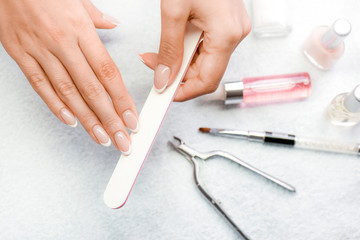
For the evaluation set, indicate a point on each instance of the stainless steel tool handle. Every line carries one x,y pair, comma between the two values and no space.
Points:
255,170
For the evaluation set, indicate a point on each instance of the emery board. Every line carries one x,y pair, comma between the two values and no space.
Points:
150,119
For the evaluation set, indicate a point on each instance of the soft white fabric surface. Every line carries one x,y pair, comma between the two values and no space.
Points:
52,177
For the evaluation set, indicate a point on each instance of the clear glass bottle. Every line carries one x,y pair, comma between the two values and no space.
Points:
344,109
271,18
325,45
253,91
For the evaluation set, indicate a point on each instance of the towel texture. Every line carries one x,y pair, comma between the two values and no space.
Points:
52,177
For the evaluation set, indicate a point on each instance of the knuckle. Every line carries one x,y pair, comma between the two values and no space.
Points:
211,87
53,106
169,51
108,71
11,48
87,120
37,80
232,32
112,123
78,21
93,90
66,89
247,28
123,101
231,36
235,35
168,11
57,34
173,14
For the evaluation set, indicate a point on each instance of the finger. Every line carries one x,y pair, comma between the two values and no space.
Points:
109,76
193,85
204,75
100,20
95,96
214,54
42,86
173,24
67,91
149,59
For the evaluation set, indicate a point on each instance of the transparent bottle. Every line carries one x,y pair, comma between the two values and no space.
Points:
344,109
325,45
271,18
253,91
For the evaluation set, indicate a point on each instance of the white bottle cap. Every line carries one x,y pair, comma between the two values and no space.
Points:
336,33
352,100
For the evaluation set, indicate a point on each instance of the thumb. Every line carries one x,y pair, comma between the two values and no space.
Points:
171,49
100,20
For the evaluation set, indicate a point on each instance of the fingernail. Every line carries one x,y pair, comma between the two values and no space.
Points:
131,121
110,19
68,117
141,58
162,75
102,136
123,143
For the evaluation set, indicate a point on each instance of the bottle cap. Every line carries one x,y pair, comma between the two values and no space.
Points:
234,92
336,33
352,100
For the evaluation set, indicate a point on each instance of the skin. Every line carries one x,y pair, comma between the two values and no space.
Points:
225,24
64,60
56,46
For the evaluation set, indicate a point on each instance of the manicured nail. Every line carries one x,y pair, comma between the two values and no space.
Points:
110,19
131,121
102,136
141,58
68,117
162,75
123,143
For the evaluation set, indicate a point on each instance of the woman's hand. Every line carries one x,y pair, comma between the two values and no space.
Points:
225,24
56,46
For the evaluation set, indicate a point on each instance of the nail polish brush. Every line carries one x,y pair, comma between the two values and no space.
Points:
287,140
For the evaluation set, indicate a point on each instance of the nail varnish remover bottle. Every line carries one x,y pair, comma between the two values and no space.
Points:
271,18
345,108
325,45
254,91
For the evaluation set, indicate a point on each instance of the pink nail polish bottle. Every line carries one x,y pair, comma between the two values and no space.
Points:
325,45
255,91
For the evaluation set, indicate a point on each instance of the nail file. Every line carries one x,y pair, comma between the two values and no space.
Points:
150,119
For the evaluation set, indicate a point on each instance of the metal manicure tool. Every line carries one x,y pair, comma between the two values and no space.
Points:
192,155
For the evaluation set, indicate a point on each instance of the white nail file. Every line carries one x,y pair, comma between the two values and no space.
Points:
151,117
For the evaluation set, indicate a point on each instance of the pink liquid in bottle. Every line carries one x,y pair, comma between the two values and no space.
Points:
269,89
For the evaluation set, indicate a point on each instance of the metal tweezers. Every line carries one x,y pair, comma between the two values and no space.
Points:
191,154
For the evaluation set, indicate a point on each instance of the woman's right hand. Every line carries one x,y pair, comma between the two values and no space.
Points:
56,46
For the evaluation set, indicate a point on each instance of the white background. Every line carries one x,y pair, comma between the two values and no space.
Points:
52,177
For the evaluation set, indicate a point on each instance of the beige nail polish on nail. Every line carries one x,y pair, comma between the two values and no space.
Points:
102,136
131,121
68,117
161,77
111,19
123,143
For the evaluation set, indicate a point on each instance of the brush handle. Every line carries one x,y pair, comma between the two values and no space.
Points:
329,146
